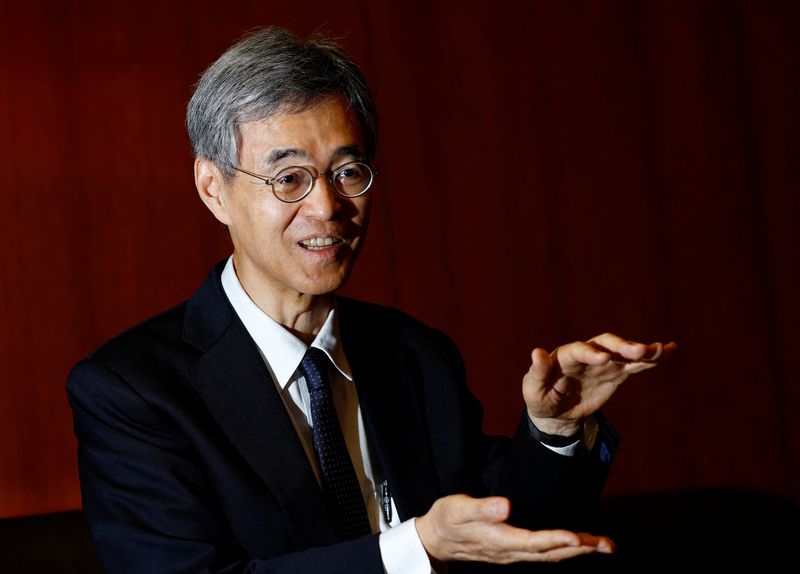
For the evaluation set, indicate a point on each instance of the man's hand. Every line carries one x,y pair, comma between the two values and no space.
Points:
459,527
575,380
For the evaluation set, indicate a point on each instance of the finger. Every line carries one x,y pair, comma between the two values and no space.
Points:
633,367
467,509
556,545
602,543
616,345
502,539
493,509
546,540
508,544
653,353
668,350
559,554
658,352
541,366
576,355
640,352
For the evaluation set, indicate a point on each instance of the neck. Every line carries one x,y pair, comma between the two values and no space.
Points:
300,313
305,318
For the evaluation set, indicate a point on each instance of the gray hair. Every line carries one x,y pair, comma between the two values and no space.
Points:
267,71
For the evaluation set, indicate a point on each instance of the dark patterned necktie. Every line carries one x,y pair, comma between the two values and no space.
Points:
339,483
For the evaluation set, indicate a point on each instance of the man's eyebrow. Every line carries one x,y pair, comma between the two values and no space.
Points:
351,150
280,153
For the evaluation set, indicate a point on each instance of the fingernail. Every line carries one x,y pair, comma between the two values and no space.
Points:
605,547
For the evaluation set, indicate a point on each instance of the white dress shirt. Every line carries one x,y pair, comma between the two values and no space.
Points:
401,549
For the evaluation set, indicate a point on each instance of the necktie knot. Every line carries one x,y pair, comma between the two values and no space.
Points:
314,367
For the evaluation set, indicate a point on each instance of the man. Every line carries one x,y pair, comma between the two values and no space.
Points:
267,425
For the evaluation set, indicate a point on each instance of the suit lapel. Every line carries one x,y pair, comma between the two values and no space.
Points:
388,380
237,389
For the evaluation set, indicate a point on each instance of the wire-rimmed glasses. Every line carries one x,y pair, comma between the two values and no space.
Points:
291,184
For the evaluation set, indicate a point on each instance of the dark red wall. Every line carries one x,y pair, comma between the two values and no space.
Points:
550,170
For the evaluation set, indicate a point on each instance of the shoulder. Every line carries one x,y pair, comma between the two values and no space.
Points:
368,321
169,340
149,340
384,319
150,354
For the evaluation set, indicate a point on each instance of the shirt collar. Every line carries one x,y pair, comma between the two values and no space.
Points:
281,350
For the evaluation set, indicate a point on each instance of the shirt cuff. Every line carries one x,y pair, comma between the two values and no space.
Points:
402,551
584,442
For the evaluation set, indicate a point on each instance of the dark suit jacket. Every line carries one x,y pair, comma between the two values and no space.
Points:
189,462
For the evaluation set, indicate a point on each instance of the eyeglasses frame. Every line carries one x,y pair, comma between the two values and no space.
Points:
330,174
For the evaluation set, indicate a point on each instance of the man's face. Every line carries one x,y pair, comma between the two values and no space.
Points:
284,251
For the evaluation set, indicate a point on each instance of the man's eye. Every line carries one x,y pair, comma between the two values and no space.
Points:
290,178
351,173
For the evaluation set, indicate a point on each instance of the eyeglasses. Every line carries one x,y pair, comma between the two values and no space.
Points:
291,184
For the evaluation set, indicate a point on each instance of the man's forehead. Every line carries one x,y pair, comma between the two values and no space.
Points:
329,110
327,129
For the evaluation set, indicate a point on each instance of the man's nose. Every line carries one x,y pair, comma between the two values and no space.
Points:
323,202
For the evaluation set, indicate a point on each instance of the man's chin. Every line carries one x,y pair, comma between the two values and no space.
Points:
327,285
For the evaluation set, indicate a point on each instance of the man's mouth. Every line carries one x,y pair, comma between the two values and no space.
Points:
318,243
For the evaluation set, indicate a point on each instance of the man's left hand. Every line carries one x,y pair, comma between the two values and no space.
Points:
562,388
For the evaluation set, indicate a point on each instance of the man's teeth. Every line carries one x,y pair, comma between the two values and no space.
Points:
319,242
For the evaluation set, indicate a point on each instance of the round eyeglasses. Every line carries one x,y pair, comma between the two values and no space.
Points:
291,184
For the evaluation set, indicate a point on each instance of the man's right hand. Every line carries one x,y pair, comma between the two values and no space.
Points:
459,527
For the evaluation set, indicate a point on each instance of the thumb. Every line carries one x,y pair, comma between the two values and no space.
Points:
541,366
492,509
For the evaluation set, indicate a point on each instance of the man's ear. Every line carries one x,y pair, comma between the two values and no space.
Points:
212,188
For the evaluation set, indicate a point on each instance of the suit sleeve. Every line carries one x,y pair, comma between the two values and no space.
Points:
148,503
547,490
